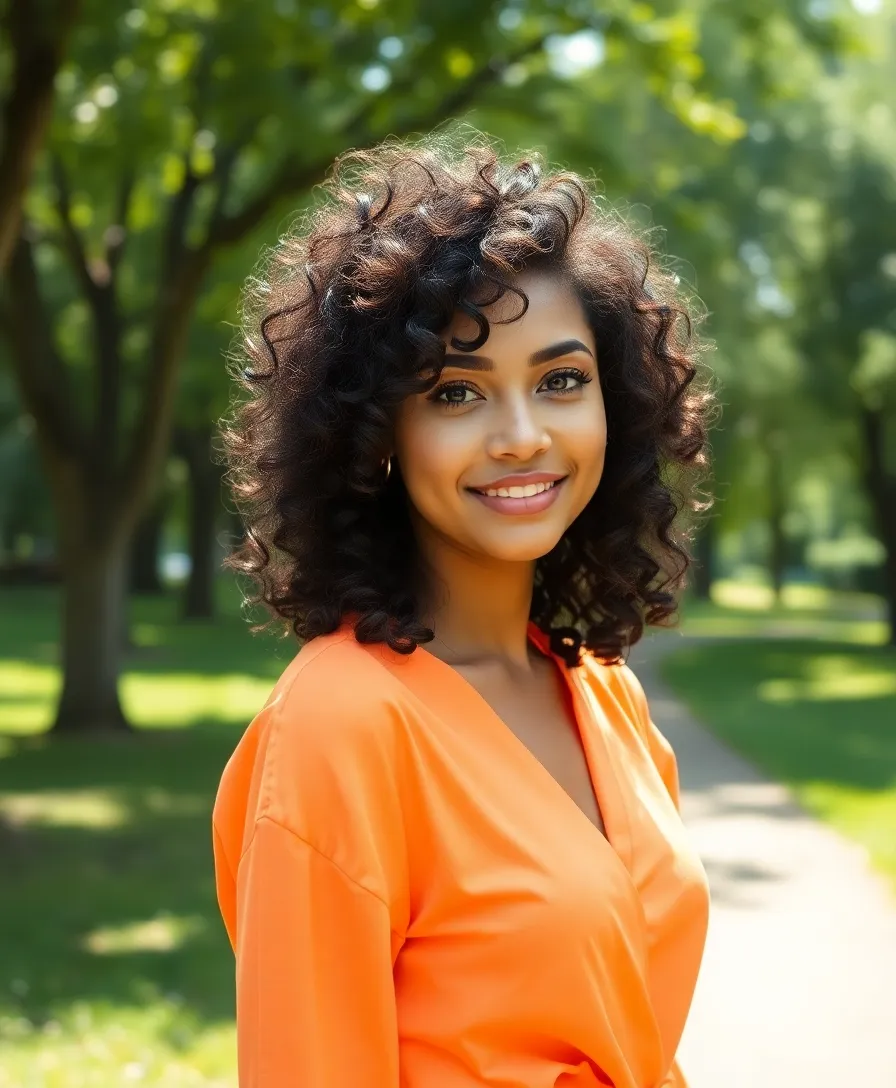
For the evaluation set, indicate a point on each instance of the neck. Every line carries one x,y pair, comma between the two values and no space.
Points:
478,607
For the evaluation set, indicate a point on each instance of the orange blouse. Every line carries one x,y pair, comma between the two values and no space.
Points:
415,902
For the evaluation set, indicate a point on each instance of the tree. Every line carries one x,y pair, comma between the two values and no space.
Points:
33,39
854,329
834,249
179,130
783,230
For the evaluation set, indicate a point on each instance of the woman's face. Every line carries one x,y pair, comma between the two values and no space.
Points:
527,404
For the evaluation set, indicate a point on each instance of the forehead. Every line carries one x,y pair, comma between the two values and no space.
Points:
554,308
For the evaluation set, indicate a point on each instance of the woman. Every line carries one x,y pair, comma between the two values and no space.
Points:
448,850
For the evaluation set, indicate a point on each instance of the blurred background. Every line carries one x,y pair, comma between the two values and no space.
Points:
148,151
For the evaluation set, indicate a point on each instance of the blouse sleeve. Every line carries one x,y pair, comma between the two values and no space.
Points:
311,867
314,985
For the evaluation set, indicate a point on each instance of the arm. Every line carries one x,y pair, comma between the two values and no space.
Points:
314,953
311,872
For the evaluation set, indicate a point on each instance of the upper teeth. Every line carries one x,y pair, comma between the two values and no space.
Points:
519,492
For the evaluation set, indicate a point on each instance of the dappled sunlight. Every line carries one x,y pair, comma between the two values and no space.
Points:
66,808
161,802
155,1040
829,679
747,610
21,680
26,717
163,933
759,597
817,716
28,695
98,808
171,700
710,621
742,595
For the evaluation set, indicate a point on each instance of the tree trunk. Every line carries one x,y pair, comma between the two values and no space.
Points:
204,481
93,616
888,516
704,558
38,36
777,555
881,488
144,558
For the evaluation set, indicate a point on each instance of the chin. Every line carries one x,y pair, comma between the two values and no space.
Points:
522,546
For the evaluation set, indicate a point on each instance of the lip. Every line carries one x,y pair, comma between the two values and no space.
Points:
534,504
520,479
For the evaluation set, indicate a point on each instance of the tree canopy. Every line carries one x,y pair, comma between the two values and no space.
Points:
185,131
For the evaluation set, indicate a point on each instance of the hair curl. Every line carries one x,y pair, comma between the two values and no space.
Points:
344,323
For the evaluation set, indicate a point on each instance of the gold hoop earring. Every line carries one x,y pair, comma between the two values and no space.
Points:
388,463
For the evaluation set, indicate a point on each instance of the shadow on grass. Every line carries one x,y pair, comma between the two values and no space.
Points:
105,844
108,874
161,641
812,711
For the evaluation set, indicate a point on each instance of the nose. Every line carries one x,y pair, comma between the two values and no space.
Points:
518,433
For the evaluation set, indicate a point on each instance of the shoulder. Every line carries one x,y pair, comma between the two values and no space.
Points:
334,685
621,682
322,760
336,703
327,743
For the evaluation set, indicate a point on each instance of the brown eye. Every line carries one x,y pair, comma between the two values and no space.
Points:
453,395
571,374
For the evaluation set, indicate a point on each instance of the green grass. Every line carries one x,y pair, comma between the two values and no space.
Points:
747,610
816,713
114,965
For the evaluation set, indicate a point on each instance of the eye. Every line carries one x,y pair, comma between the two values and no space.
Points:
576,377
453,395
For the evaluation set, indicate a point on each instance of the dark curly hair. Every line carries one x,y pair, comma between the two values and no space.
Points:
344,323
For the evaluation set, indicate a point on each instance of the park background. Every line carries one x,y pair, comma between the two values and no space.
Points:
148,152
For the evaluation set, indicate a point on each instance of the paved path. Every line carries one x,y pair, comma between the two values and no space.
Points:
798,985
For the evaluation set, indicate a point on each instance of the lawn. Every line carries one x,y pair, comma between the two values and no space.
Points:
114,966
818,713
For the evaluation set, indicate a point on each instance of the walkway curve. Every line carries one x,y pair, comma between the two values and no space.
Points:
798,984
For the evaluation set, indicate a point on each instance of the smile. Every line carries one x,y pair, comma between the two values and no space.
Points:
530,499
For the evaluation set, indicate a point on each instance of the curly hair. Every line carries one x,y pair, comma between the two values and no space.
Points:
344,322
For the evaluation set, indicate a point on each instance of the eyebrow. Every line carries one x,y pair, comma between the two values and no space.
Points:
468,361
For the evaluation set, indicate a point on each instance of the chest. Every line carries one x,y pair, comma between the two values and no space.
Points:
541,716
565,934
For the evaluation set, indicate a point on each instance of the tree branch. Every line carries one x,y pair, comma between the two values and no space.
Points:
38,41
171,326
455,100
293,176
116,234
881,485
184,268
98,287
223,174
39,370
72,242
174,242
181,273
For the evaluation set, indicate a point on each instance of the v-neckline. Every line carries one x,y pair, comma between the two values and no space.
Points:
604,784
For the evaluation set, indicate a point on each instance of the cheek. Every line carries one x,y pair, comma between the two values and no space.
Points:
435,453
584,435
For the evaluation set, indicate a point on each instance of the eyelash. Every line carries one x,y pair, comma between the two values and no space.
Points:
566,372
